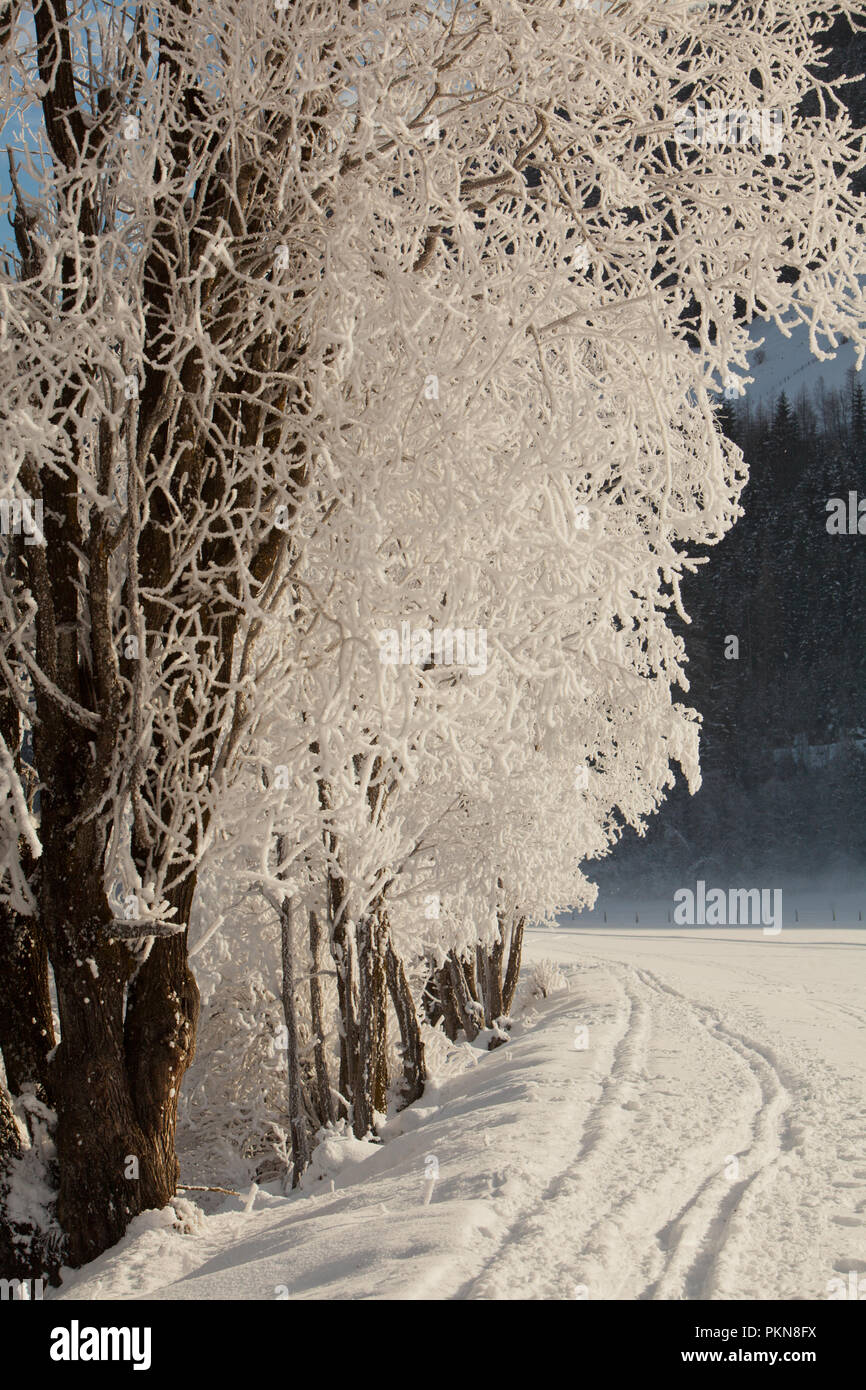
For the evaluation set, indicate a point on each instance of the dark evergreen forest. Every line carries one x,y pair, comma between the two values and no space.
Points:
784,703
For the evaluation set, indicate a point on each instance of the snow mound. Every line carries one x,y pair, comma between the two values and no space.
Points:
336,1150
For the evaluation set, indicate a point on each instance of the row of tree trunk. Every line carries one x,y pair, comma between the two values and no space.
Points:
467,994
369,974
128,1020
470,993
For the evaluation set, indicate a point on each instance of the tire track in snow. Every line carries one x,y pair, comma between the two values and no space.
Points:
835,1007
527,1245
615,1213
700,1242
791,1237
597,1222
647,1226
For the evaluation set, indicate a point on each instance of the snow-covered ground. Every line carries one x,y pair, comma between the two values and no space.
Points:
685,1120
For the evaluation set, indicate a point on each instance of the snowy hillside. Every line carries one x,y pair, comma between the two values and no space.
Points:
788,364
681,1119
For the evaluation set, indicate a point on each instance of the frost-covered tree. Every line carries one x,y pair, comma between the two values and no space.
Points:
322,319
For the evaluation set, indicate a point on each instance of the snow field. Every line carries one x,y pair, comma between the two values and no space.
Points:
684,1121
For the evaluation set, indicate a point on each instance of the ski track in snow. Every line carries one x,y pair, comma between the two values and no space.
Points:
708,1143
729,1232
600,1200
755,1174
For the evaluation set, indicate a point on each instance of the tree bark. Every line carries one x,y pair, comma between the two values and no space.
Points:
466,1012
512,972
26,1024
444,1002
160,1032
11,1264
323,1080
414,1065
468,968
345,958
342,945
125,1041
297,1114
381,1080
369,1092
495,1003
110,1167
482,965
10,1139
432,1006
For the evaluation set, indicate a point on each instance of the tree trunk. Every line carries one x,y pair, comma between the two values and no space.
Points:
341,940
297,1115
10,1139
414,1065
125,1042
26,1025
432,1006
369,1094
468,968
160,1032
513,971
445,1003
381,1079
110,1167
482,983
495,1003
11,1264
323,1080
467,1013
345,958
